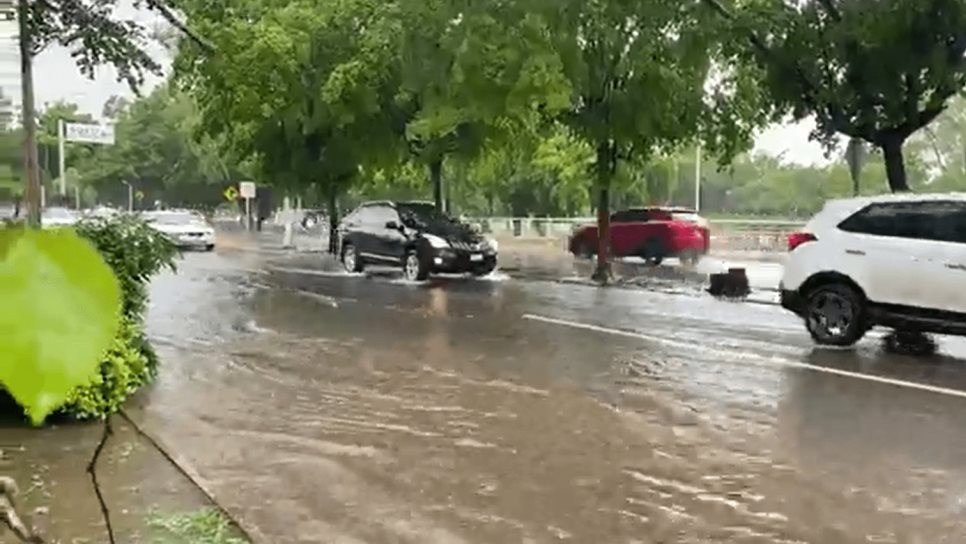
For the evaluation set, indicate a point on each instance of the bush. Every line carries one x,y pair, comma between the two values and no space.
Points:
123,371
135,252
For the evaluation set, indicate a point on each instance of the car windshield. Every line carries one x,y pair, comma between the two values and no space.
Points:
173,218
686,216
420,213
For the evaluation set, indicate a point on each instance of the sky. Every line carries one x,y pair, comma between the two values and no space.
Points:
57,79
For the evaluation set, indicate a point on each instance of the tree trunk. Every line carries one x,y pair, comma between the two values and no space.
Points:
32,192
603,272
333,205
436,180
895,165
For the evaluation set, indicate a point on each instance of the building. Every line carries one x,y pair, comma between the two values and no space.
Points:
10,92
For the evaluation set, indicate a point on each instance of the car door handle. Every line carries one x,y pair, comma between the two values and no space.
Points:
855,252
955,266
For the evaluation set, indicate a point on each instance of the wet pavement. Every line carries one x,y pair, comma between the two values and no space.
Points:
49,466
321,407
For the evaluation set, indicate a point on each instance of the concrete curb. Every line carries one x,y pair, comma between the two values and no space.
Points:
249,531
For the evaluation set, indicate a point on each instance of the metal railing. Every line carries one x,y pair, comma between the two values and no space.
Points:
764,235
726,234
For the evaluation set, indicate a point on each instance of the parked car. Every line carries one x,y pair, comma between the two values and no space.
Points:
653,234
186,229
416,237
897,261
58,217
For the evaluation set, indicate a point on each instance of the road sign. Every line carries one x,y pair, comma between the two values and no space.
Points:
139,196
231,194
88,133
247,189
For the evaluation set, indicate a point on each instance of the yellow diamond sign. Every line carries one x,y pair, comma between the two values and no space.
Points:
231,194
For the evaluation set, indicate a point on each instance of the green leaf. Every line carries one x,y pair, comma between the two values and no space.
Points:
61,307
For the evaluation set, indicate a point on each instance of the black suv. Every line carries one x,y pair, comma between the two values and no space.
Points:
416,237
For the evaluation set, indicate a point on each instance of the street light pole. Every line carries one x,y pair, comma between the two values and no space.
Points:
130,196
60,157
697,179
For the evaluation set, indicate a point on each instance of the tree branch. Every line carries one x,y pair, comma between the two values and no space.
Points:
169,16
92,470
9,515
832,10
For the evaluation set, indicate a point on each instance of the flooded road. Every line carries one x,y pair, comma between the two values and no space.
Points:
327,408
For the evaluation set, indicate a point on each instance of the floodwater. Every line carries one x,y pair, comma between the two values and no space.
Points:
321,407
327,408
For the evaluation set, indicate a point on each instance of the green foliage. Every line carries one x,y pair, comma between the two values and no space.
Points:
827,59
125,367
95,36
134,251
60,310
202,527
160,153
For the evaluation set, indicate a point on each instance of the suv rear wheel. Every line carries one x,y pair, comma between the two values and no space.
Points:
835,315
351,260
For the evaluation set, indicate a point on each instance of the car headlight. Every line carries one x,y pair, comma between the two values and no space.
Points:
435,241
493,244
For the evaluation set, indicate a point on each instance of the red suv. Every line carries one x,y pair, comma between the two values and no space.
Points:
650,233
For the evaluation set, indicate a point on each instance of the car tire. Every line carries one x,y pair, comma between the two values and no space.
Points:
210,247
414,268
653,252
835,315
351,259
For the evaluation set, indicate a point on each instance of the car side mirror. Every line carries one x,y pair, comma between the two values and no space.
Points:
392,225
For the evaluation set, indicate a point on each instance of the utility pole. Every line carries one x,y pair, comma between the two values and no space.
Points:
32,191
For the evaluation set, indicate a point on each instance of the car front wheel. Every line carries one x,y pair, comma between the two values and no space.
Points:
350,259
414,268
835,315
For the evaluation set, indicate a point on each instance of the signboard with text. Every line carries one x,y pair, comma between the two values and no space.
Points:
89,133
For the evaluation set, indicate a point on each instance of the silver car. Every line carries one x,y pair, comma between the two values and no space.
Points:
188,230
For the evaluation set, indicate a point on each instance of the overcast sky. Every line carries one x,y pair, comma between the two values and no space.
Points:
57,78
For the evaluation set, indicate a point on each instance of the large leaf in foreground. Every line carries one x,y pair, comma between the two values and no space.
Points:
59,309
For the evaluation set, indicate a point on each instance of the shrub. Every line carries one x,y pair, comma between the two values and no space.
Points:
123,371
135,252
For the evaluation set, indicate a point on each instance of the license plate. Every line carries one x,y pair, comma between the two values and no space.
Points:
476,257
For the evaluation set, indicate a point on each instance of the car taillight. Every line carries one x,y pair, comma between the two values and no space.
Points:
798,238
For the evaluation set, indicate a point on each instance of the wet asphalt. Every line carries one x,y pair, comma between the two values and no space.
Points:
321,407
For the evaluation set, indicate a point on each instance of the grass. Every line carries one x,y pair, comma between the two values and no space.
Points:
199,527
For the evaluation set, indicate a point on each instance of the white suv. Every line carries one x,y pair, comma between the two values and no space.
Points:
897,261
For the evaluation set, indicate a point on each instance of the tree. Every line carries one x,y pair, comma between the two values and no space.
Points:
876,71
471,73
308,88
636,87
159,153
94,37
